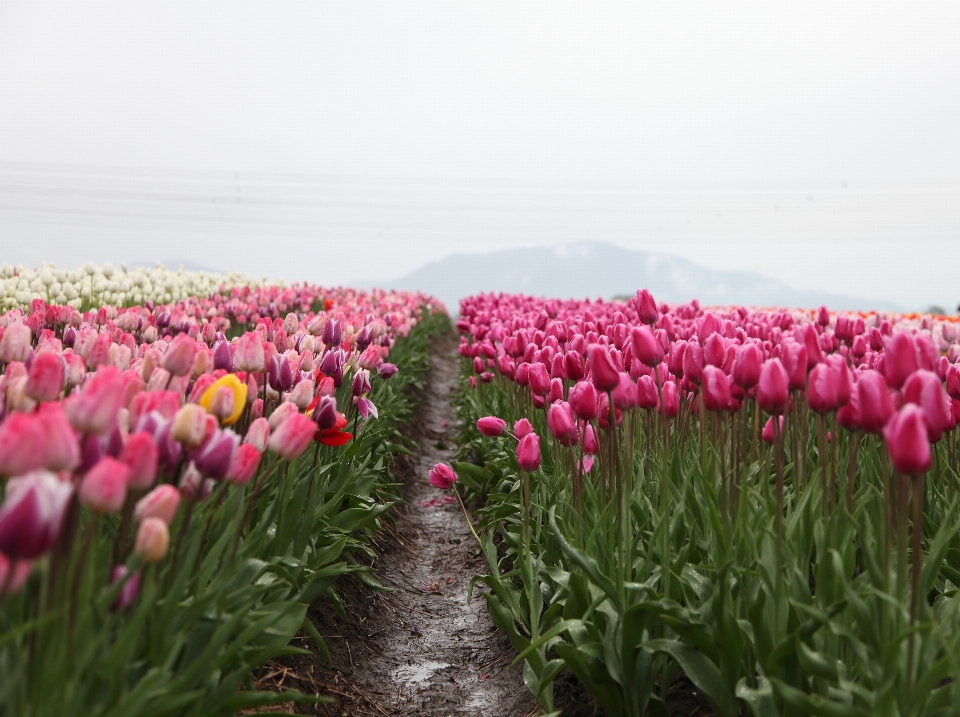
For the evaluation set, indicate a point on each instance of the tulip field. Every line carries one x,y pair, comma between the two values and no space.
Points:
184,474
761,504
763,500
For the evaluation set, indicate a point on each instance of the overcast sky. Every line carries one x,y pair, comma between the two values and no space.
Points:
815,142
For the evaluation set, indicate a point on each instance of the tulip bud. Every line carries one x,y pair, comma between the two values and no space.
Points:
849,414
953,381
179,357
669,405
562,424
876,408
128,592
522,428
924,389
822,389
13,574
442,476
716,388
214,457
244,464
772,387
746,368
153,539
162,502
332,333
583,400
906,438
45,379
491,426
15,343
104,487
646,306
222,358
528,452
190,426
387,370
291,438
250,354
361,383
899,359
141,456
768,428
603,373
280,414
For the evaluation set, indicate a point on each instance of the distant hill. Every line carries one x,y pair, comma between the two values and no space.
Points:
597,269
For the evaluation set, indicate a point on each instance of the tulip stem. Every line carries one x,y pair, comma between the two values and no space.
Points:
467,517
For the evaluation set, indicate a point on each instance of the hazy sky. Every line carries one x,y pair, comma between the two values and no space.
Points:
815,142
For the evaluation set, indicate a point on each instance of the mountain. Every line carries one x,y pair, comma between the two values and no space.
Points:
598,269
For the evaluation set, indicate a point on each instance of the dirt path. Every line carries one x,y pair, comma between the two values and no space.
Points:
422,650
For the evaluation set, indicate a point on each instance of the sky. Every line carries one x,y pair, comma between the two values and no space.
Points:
818,143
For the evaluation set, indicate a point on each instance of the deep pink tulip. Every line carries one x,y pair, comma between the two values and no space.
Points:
243,465
670,404
794,358
179,356
647,397
716,389
32,514
848,416
859,346
60,447
562,424
768,428
162,502
153,539
906,438
953,381
539,379
128,592
899,359
94,409
603,372
528,452
104,487
292,437
675,358
590,440
141,456
746,368
811,341
583,400
522,428
646,306
442,476
714,351
693,362
370,359
603,412
773,387
823,316
573,363
646,347
387,370
491,426
45,379
625,394
924,389
822,389
556,391
876,408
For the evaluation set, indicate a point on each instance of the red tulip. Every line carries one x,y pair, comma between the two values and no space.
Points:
906,438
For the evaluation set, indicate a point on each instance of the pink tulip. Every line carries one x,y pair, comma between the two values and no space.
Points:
603,373
94,409
539,379
141,456
179,357
693,362
528,452
906,438
647,396
716,389
370,359
302,394
32,514
646,306
522,428
442,476
953,381
491,426
259,433
46,376
590,440
924,389
292,437
13,574
583,400
645,346
60,447
876,408
128,593
768,428
899,359
104,487
250,354
562,424
848,415
153,539
243,466
669,406
22,442
162,502
822,389
772,387
625,394
746,368
795,363
15,343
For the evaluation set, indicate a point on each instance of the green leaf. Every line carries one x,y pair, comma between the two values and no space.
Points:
703,673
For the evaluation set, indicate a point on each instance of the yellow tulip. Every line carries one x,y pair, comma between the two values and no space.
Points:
239,396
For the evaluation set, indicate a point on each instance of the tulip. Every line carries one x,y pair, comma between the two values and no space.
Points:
693,362
222,358
603,372
746,368
258,434
332,332
562,424
953,381
361,383
645,346
716,389
60,447
772,387
795,363
162,502
302,394
366,407
924,389
906,438
104,487
279,374
583,400
189,426
491,426
522,428
15,343
442,476
899,359
539,379
646,306
647,395
180,355
214,456
128,592
22,443
280,414
848,416
669,406
876,408
291,438
528,452
153,539
140,455
768,428
243,466
13,574
45,379
32,514
370,359
387,370
94,409
822,389
250,354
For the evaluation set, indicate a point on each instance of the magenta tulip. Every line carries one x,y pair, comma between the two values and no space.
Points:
562,424
442,476
876,408
491,426
899,359
603,373
772,388
528,452
32,514
906,438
